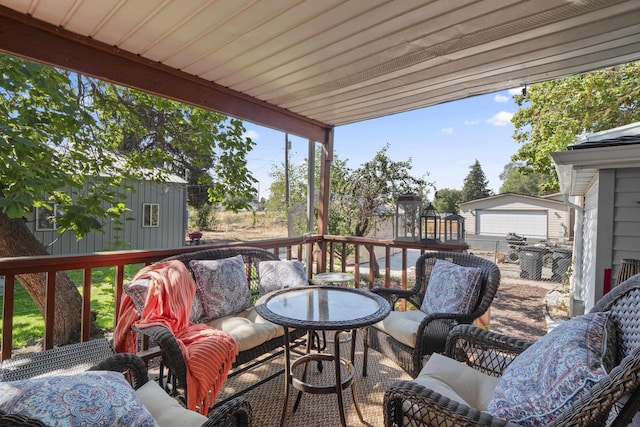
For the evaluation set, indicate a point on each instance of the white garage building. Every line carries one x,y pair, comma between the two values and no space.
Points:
533,217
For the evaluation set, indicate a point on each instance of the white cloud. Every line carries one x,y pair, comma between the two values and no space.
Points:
251,134
447,131
503,118
501,98
472,122
516,90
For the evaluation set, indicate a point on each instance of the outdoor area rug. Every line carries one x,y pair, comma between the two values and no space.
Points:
319,410
516,310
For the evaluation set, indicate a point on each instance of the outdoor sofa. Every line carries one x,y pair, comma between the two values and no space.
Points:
257,338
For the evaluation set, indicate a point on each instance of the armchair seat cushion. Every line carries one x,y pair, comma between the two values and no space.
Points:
247,328
402,326
457,381
166,410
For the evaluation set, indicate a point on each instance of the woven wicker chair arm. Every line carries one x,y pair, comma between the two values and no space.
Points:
484,350
236,412
133,365
14,420
407,403
171,354
393,295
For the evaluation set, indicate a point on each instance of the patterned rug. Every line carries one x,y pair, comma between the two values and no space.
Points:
319,410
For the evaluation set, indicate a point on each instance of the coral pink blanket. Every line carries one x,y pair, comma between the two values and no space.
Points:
208,352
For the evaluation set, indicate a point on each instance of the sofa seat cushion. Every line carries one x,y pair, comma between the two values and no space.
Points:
402,325
247,328
166,410
457,381
95,398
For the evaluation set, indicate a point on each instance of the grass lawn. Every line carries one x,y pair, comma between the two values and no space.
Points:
28,324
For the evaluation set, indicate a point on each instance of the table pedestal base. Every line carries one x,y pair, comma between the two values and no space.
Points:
341,383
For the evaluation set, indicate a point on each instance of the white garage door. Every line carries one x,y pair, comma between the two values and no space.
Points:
524,223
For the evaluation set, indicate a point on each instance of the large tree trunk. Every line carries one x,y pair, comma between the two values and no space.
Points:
17,240
372,255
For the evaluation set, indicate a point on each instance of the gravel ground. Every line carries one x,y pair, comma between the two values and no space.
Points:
518,308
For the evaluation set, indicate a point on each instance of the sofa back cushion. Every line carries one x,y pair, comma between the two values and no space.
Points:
222,286
138,290
276,275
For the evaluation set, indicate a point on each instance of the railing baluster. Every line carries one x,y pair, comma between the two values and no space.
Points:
331,259
7,316
372,263
85,327
117,292
49,309
356,269
387,263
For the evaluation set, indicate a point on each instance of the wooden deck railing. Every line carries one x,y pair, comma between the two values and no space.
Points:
321,252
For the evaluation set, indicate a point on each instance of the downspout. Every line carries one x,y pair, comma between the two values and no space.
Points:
576,304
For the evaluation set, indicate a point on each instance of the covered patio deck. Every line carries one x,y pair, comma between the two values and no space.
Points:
304,68
517,310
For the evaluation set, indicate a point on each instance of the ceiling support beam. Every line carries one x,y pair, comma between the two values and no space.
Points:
23,36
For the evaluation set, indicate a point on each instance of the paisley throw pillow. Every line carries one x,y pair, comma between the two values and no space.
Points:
222,286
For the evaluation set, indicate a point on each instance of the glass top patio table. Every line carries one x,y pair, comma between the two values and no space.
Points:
323,307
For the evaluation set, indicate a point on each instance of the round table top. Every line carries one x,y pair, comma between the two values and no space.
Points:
323,307
335,277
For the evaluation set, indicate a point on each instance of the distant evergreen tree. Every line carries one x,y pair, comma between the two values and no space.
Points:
475,184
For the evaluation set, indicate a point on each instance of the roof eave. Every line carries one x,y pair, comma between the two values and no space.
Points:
577,168
46,43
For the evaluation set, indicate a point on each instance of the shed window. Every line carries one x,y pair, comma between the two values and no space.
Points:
46,219
150,215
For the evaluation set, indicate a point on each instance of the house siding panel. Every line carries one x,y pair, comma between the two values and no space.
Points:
170,233
626,227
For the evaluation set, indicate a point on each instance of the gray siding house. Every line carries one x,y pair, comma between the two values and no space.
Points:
157,219
600,176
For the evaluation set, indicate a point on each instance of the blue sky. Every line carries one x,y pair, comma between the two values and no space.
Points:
442,141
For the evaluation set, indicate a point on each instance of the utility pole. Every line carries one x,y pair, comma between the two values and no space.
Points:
287,146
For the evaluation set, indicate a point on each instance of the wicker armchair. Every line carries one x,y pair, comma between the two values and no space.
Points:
613,401
75,358
432,331
172,359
